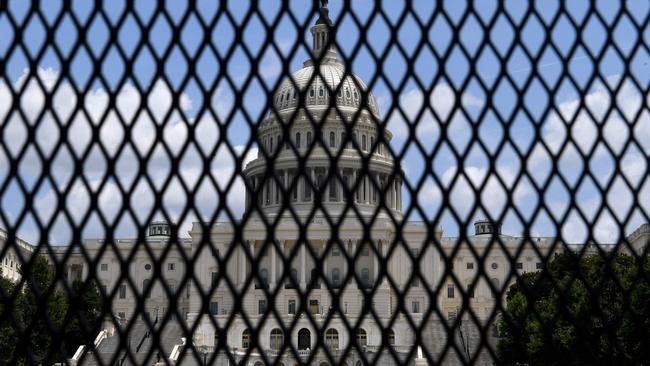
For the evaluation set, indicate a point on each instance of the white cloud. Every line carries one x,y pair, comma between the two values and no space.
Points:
442,101
142,140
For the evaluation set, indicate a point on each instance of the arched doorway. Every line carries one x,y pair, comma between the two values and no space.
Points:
362,337
277,338
304,339
332,339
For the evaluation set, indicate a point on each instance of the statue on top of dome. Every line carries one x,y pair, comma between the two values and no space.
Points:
324,13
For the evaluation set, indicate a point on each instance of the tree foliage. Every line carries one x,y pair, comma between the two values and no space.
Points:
579,311
39,322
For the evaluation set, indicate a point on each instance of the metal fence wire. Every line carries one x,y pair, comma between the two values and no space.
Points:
289,182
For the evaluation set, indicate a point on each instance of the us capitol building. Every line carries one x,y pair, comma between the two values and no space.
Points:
315,260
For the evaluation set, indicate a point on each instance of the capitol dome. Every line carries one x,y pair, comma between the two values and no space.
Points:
318,89
306,125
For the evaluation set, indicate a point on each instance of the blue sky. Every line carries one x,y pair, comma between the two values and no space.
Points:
486,96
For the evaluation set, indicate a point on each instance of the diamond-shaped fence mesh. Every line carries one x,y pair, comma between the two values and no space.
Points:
349,183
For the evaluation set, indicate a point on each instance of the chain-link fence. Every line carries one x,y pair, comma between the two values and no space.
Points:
354,182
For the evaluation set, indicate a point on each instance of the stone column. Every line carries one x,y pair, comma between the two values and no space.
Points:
273,277
303,268
354,250
243,263
376,263
355,194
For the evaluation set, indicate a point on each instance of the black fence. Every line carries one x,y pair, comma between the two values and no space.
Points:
367,182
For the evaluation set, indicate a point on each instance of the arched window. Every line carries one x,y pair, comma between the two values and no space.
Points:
321,93
336,277
304,339
391,337
362,337
363,143
343,142
347,93
372,142
277,338
332,338
145,285
246,339
308,139
311,93
332,139
298,140
356,95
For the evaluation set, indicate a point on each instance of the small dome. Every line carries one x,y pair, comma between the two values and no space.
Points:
348,98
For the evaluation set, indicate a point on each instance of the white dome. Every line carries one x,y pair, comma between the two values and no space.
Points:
349,96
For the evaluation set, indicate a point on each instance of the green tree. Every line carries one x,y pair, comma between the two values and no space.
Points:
581,311
41,310
9,314
85,316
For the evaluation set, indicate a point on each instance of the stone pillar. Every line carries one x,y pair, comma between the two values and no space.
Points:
303,268
355,194
324,259
376,263
243,263
352,253
273,276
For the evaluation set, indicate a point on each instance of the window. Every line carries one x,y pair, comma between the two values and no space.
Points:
336,277
415,307
332,139
147,267
104,289
391,337
416,279
451,316
332,338
313,307
470,265
122,291
277,339
261,306
332,189
104,267
264,278
311,93
291,307
214,308
215,279
495,265
450,291
343,141
171,266
520,265
538,265
246,339
308,139
321,93
365,277
363,143
145,285
470,290
365,251
298,140
336,251
121,315
362,337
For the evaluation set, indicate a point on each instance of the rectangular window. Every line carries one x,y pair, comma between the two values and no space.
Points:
214,308
538,265
520,265
261,306
291,308
104,289
450,291
470,290
171,266
104,267
470,265
122,291
215,278
415,307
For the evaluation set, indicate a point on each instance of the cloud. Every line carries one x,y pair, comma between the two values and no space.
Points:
442,101
153,138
